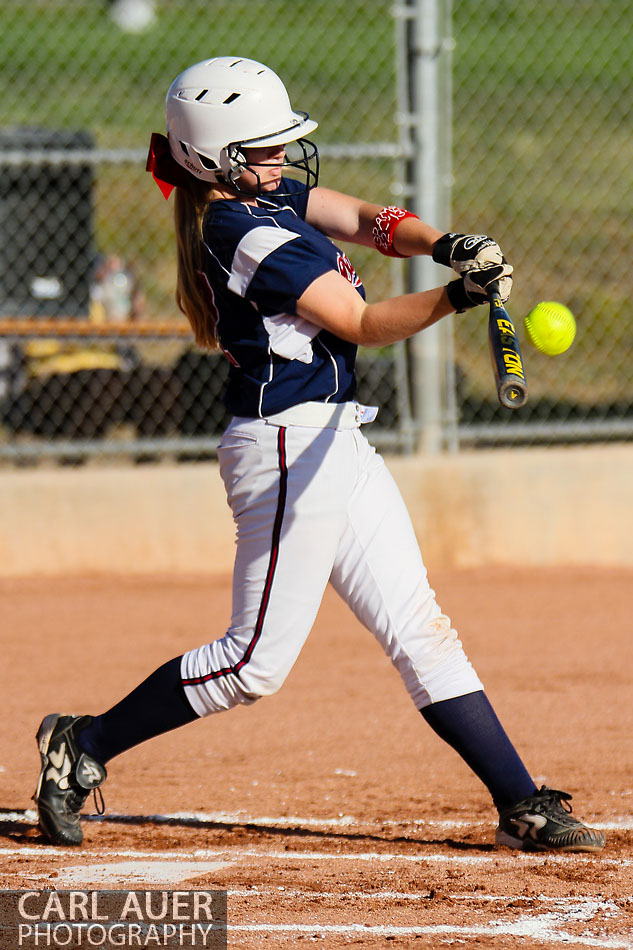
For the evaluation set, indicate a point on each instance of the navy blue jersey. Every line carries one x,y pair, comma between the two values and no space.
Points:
260,260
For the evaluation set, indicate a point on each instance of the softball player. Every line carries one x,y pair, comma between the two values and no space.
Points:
260,277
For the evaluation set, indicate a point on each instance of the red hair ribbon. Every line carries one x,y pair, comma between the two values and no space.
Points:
164,168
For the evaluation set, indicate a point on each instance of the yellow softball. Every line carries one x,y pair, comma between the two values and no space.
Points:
550,327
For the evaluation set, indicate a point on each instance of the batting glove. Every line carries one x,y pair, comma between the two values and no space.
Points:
472,288
466,252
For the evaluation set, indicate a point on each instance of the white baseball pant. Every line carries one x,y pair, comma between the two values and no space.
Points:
313,505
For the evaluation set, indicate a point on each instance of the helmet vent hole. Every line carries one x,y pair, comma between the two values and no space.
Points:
201,95
207,162
184,148
231,98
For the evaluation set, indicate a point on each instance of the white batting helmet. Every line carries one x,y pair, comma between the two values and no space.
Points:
215,108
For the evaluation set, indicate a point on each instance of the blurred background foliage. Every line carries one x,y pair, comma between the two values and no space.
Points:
542,148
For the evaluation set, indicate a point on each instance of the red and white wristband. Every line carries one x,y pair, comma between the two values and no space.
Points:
385,223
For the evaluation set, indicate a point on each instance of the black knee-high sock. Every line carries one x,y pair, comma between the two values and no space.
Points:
157,705
470,725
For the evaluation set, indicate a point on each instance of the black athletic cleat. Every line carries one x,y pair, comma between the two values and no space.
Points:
543,822
66,778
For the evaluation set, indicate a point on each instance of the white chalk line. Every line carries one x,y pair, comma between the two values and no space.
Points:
544,927
349,821
169,864
541,926
496,857
293,822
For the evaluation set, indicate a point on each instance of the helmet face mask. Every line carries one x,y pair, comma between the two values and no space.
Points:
216,109
301,155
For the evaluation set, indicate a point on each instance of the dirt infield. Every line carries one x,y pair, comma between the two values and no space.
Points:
330,812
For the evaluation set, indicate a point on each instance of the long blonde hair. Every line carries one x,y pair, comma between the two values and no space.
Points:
191,205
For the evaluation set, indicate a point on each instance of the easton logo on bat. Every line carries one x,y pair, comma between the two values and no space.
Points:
511,358
505,351
505,326
513,362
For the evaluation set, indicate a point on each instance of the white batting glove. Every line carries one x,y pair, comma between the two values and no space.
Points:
466,252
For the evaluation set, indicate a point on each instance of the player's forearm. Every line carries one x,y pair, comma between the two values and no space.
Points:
399,318
345,218
332,303
413,236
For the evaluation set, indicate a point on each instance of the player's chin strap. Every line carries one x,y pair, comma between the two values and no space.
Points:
164,168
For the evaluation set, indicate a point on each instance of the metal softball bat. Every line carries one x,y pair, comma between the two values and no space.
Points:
505,353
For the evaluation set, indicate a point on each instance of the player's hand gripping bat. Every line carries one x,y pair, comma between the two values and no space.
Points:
505,354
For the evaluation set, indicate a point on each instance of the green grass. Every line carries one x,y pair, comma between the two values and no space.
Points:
542,149
67,64
543,158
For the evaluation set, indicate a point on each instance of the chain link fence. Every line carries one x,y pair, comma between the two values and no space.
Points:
95,358
543,160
